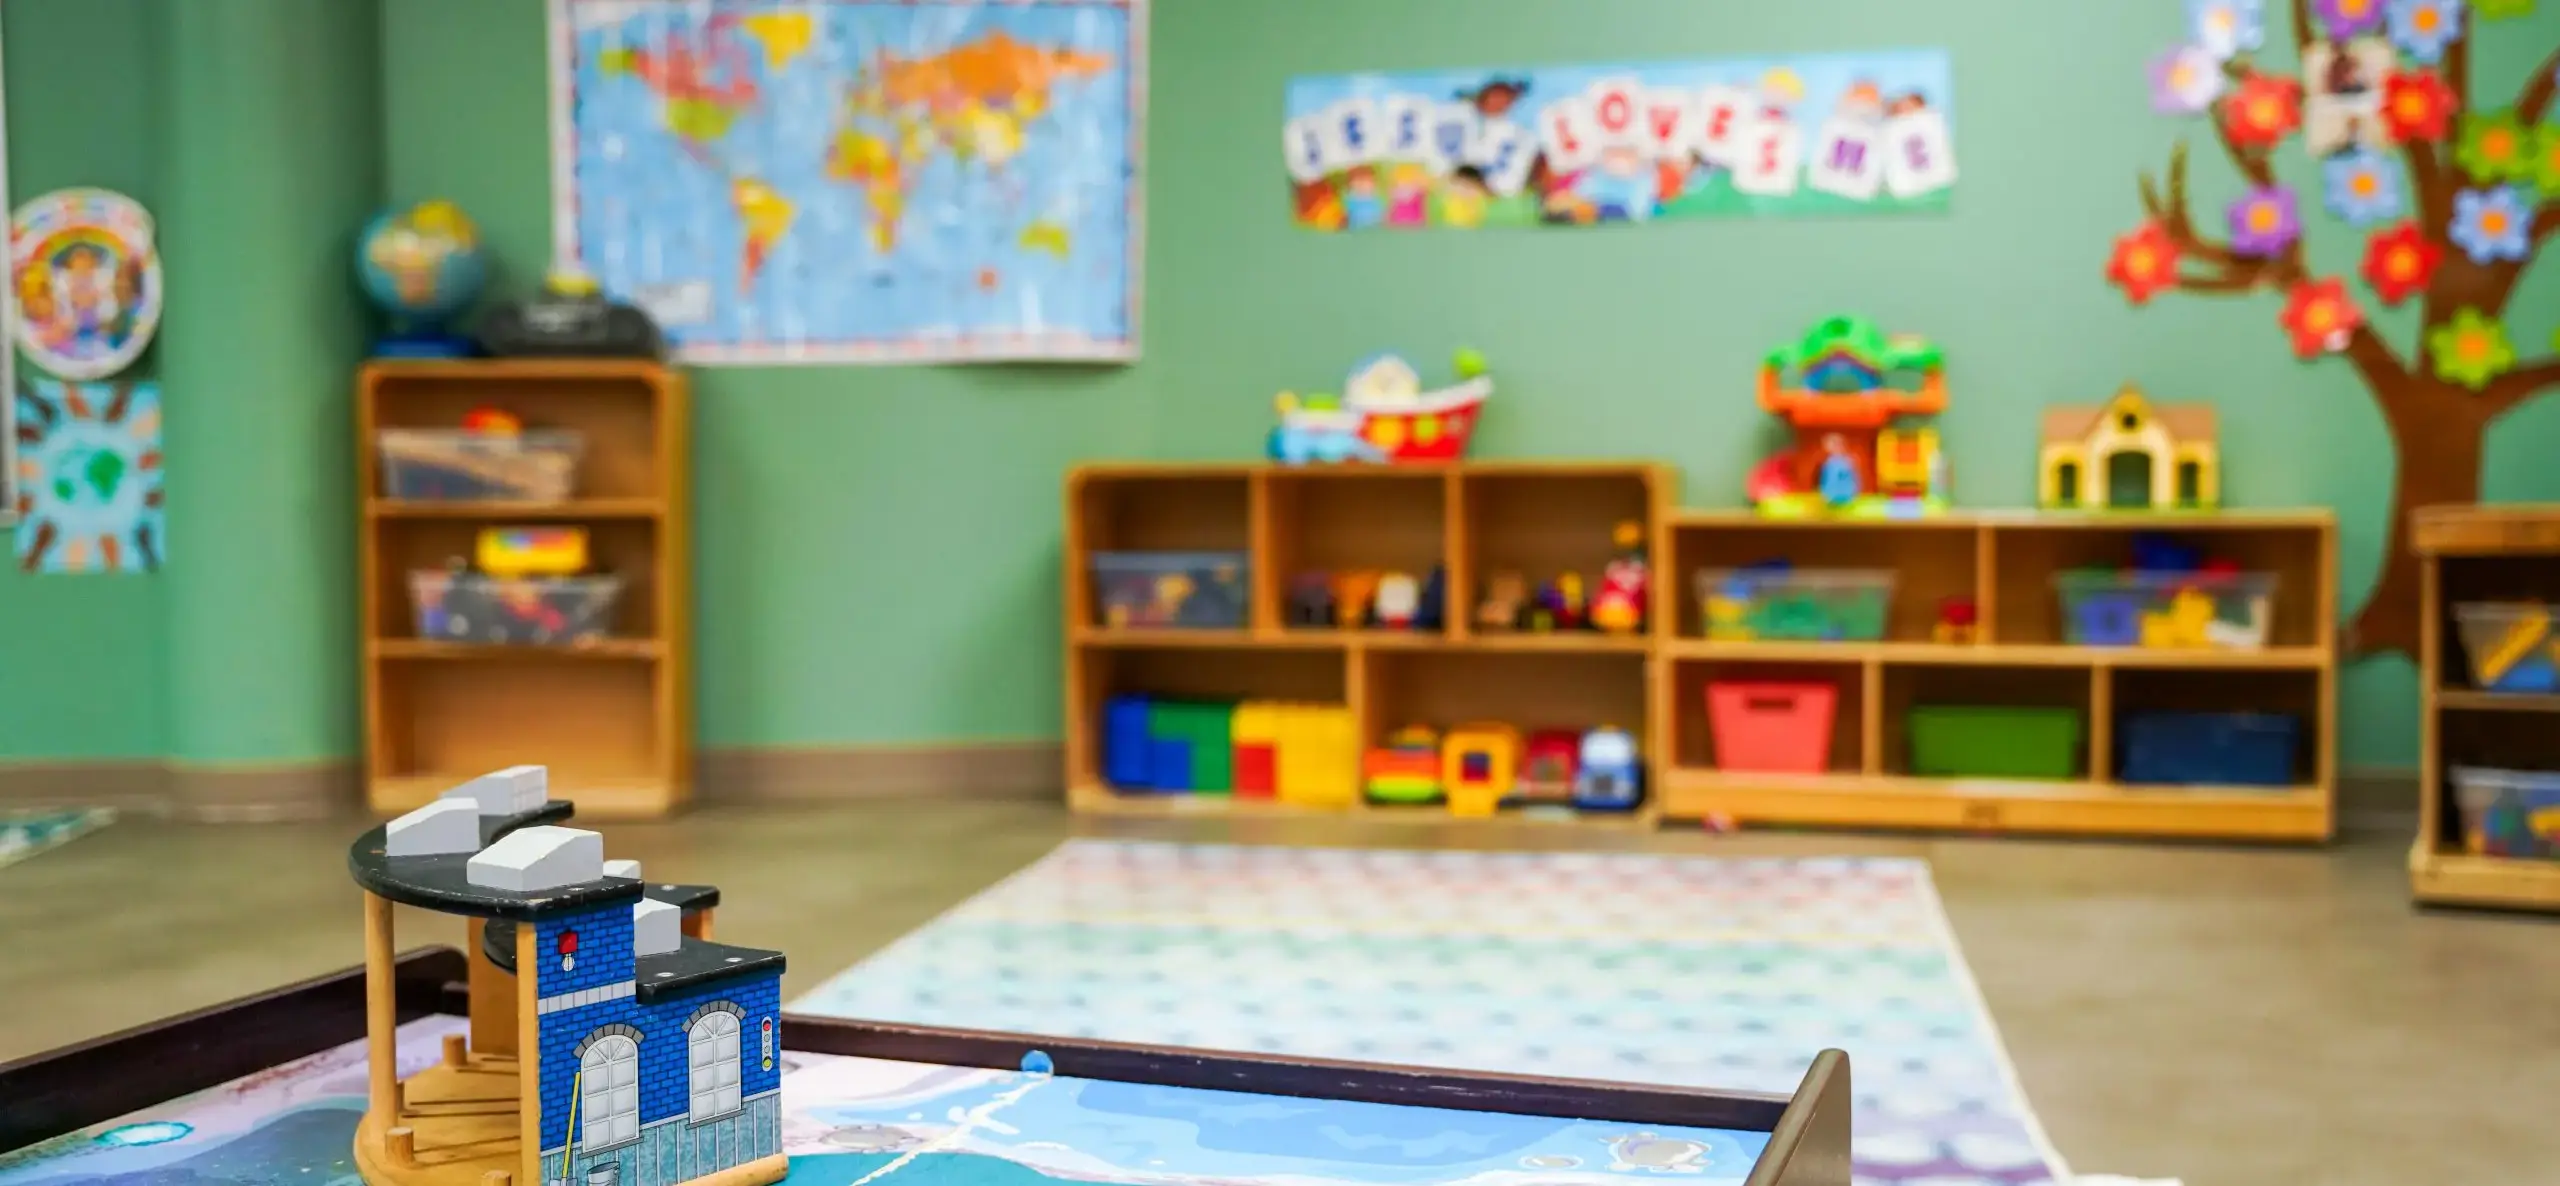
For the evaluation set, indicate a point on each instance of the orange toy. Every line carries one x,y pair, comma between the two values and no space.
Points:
1479,764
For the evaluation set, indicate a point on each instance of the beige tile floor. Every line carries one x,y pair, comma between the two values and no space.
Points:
2235,1017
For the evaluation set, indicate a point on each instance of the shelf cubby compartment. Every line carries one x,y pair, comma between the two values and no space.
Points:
594,717
1930,559
2029,552
1208,672
1543,521
626,548
1910,687
1150,509
1692,744
1527,690
2126,691
1331,520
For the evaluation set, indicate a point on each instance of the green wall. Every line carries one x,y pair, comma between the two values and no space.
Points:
878,547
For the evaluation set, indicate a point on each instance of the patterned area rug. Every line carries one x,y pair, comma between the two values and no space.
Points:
24,834
1678,970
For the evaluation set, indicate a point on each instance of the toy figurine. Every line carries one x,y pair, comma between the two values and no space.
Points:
1619,608
1431,614
610,1040
1311,601
1352,596
1385,415
1608,778
1852,386
1955,625
1506,597
1399,599
1560,604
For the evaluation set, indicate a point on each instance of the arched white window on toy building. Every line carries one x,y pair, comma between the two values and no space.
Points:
712,1054
608,1093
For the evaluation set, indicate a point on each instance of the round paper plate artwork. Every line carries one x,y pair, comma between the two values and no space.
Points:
86,276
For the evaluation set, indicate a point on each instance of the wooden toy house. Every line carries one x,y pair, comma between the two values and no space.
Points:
611,1042
2129,454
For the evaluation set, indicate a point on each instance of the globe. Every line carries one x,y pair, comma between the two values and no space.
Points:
422,266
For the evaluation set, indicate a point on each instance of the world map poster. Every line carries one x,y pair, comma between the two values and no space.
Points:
1863,133
856,181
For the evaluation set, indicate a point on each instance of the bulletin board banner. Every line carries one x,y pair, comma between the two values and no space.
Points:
1575,145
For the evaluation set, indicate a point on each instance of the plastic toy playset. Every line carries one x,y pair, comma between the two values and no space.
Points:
1384,415
1858,403
522,584
1478,768
2171,595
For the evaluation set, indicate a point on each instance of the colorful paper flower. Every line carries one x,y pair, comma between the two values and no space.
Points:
2319,316
2546,158
2262,110
2494,146
2491,225
2499,10
2360,186
2265,221
2422,28
2471,349
2144,263
2227,28
2343,19
2400,262
2184,81
2417,105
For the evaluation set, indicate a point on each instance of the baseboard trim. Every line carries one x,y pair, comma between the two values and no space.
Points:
140,788
264,794
967,770
2377,800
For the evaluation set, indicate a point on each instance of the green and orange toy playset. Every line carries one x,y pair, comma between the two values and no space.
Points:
1857,401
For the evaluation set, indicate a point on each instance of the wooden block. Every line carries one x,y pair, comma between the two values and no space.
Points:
402,1144
497,1178
453,1050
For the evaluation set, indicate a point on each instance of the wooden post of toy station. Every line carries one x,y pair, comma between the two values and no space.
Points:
381,1016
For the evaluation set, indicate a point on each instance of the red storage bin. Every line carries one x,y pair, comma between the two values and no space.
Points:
1771,727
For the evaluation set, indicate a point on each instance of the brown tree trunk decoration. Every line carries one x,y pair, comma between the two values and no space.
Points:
2437,428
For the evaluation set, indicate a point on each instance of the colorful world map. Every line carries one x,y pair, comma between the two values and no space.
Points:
857,180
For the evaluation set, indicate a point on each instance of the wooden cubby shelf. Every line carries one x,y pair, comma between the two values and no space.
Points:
611,717
1477,519
2005,562
2478,554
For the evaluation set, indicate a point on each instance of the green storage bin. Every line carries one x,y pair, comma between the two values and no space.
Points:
1982,741
1209,731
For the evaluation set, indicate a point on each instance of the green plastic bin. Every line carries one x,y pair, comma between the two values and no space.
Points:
1209,731
1982,741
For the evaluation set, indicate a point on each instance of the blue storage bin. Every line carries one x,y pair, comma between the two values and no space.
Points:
1128,754
2245,749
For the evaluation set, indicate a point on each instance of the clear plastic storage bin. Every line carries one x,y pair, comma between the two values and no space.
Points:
1192,590
1820,604
2511,647
473,608
2509,813
449,465
2220,611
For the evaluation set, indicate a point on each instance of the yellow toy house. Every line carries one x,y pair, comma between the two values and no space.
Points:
2129,455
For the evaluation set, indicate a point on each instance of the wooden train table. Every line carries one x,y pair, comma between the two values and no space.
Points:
270,1089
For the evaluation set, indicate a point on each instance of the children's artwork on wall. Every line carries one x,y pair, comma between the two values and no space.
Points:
88,477
1575,145
2444,179
856,181
85,274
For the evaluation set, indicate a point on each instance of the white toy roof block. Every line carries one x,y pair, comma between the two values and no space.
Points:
511,791
531,860
657,928
630,869
441,828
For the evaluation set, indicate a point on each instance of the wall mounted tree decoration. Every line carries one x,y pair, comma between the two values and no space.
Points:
2453,197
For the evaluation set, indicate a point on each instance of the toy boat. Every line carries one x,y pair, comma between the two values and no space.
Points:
1384,416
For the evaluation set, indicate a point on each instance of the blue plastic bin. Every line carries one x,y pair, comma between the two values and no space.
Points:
2241,749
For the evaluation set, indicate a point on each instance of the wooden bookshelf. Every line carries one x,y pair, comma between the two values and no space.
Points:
613,718
2006,562
1472,519
2478,553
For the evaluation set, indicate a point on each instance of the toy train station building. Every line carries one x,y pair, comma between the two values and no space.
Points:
640,1052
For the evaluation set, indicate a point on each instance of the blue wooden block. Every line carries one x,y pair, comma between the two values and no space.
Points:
1170,763
1128,754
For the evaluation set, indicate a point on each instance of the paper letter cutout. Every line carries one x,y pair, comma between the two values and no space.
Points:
1451,135
1771,158
1505,152
1303,140
1670,124
1848,159
1724,114
1616,111
1919,157
1405,122
1351,134
1571,139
